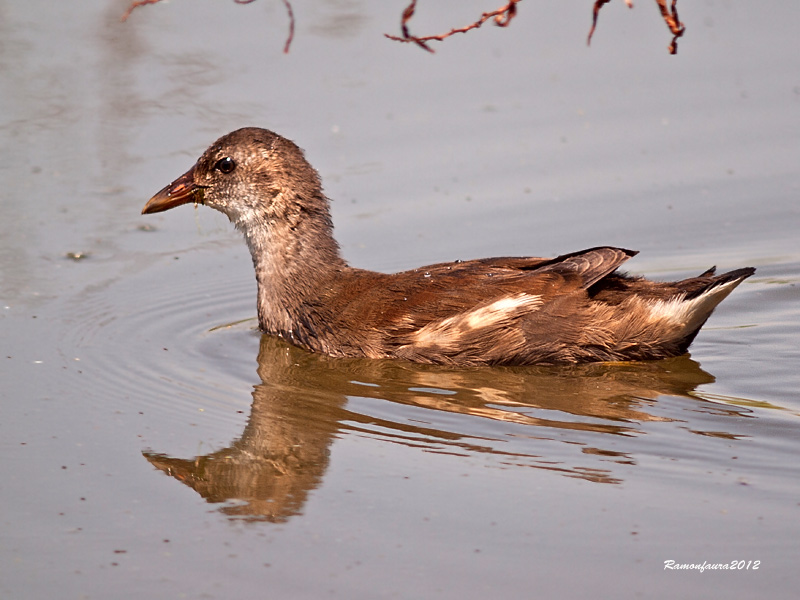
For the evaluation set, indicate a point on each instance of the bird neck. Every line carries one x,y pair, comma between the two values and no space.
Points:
293,255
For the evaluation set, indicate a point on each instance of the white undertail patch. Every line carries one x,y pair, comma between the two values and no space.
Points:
690,314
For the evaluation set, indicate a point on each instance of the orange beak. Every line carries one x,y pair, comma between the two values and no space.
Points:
181,191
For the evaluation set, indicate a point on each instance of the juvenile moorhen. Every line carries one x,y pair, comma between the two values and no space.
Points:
510,311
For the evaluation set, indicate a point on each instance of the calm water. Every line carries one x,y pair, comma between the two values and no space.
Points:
156,446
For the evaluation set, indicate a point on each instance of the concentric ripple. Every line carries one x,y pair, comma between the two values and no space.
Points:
179,343
163,339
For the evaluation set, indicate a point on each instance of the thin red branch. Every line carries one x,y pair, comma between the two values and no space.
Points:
137,3
134,5
502,18
595,13
290,37
669,14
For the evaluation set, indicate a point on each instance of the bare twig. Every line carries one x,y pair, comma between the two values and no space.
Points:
134,5
595,13
669,14
502,18
290,37
137,3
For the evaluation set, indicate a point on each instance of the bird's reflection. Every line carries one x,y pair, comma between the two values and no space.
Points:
305,401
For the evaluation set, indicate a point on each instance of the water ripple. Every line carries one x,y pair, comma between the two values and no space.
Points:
188,354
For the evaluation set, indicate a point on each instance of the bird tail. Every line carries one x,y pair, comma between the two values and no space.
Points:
693,309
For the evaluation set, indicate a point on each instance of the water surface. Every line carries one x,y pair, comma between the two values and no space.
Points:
155,445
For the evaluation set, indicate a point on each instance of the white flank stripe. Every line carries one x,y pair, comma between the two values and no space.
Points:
451,329
501,309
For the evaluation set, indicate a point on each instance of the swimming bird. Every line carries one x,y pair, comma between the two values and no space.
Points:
498,311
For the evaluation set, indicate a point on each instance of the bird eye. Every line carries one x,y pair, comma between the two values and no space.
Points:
225,165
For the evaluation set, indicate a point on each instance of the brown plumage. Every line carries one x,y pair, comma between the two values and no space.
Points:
513,311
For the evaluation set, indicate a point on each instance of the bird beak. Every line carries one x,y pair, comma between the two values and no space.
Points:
181,191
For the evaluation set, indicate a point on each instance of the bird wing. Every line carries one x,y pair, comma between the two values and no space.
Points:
590,266
412,299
